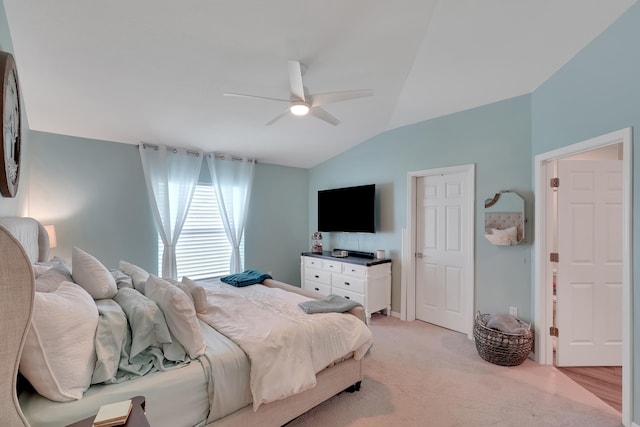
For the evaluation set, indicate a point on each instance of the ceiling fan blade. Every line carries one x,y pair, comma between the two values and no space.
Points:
331,97
323,115
278,117
241,95
295,80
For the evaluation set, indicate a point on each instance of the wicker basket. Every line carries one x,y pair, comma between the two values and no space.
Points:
499,347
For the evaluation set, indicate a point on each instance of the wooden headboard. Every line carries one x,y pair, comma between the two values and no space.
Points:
17,292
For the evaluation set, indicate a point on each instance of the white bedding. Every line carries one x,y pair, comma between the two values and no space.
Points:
185,388
281,340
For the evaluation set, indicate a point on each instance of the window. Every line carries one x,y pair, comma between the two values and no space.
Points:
203,250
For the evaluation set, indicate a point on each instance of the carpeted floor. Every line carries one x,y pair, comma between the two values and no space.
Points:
421,375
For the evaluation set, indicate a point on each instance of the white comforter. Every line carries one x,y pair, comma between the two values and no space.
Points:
286,346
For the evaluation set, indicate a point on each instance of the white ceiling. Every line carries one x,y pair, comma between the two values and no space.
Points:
155,70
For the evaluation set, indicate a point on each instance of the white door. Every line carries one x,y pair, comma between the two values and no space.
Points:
442,212
589,271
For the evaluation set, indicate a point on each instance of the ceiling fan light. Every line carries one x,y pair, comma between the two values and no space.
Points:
299,109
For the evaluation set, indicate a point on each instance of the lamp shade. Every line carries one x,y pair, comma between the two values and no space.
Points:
51,231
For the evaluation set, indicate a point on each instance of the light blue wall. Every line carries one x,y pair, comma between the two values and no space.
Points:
496,137
94,193
277,227
597,92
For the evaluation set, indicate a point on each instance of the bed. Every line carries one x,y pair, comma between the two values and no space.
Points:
223,382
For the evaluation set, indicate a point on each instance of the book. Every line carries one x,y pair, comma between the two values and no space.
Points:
113,414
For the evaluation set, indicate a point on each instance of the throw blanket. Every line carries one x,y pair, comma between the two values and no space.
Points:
331,304
246,278
286,346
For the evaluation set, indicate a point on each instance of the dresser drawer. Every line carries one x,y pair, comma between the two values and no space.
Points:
319,276
355,270
347,283
353,296
313,262
332,266
318,287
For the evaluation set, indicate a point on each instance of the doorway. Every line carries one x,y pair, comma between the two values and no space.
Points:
445,195
545,243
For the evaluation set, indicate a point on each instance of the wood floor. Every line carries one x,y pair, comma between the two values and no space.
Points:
603,381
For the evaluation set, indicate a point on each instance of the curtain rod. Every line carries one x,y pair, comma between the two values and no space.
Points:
194,153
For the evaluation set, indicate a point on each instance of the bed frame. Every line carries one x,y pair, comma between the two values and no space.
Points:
17,290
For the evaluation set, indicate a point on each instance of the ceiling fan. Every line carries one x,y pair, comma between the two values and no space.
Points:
301,104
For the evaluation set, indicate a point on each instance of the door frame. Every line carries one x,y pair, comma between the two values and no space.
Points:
543,292
408,280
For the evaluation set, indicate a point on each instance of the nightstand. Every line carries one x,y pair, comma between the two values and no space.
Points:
136,417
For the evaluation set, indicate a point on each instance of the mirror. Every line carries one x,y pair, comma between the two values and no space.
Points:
504,219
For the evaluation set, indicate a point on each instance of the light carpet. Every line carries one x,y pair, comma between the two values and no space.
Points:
421,375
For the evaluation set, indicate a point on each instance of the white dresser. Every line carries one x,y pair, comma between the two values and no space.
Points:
367,281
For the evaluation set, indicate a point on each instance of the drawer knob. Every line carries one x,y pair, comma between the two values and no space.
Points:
347,297
316,276
347,283
317,289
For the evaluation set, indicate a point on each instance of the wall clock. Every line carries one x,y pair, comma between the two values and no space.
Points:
11,129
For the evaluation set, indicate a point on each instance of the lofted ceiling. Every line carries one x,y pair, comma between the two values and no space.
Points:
155,70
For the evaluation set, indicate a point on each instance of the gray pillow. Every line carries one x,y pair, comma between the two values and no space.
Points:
147,323
122,280
52,278
110,336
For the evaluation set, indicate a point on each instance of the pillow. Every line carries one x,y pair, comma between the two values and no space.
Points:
139,275
122,280
180,314
89,273
52,278
180,286
110,336
147,323
198,293
510,235
59,355
42,266
39,269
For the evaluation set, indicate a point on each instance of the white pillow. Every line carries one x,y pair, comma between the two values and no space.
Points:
89,273
179,313
198,294
52,278
510,235
59,354
138,274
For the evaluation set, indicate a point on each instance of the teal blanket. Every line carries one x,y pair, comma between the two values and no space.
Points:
246,278
331,304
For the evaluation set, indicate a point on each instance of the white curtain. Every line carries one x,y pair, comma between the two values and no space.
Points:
232,180
171,175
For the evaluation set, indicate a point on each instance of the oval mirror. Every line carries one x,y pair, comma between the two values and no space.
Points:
504,219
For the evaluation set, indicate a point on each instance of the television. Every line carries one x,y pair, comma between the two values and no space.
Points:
349,209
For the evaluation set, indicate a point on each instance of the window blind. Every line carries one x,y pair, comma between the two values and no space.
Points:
203,250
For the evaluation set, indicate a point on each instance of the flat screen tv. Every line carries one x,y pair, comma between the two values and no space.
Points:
349,209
